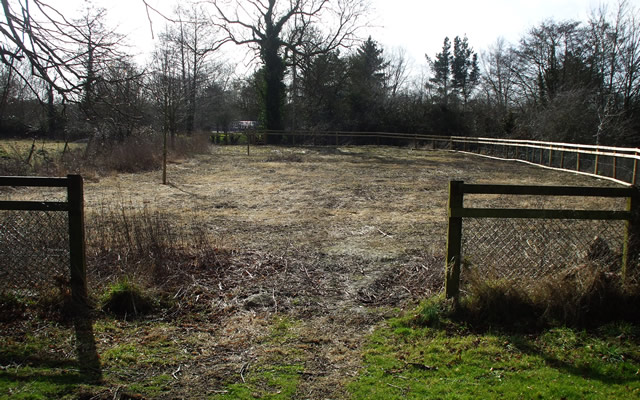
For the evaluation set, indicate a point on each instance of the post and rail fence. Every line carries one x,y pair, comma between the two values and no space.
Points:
535,238
619,164
33,238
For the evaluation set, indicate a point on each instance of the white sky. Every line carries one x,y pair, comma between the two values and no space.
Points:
419,26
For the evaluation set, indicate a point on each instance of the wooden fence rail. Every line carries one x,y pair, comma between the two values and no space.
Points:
457,211
74,206
619,164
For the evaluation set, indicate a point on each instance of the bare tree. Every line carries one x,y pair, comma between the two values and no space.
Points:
277,28
396,71
34,32
197,40
614,43
497,65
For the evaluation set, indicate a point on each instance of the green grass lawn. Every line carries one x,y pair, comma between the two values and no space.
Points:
403,360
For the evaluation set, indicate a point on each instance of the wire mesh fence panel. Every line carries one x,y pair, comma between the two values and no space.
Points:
532,249
34,251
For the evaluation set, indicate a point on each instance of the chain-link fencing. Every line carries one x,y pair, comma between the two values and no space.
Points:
42,242
534,234
531,250
34,251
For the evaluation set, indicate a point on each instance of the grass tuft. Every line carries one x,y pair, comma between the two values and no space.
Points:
125,298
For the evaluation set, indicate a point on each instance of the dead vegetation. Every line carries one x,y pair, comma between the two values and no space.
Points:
331,239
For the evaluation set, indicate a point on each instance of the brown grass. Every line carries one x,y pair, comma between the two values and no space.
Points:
583,296
331,237
139,152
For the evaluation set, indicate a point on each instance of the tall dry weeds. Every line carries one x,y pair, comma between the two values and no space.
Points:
146,246
139,152
581,296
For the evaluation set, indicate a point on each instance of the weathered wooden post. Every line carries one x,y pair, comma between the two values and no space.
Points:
631,250
454,241
78,264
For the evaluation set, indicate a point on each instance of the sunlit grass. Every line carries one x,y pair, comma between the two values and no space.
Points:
403,360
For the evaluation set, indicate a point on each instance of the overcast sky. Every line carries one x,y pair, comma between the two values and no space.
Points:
419,26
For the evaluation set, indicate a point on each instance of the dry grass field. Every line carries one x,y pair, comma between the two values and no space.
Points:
319,243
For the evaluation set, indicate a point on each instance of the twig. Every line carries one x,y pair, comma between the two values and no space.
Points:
394,386
244,368
275,302
174,374
384,234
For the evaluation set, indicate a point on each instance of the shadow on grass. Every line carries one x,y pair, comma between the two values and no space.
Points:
85,369
87,353
585,371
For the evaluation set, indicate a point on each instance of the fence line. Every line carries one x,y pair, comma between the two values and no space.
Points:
74,206
618,164
457,212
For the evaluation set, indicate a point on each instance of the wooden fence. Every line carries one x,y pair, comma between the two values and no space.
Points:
619,164
457,211
74,206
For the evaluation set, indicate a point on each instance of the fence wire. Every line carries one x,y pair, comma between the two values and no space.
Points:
534,249
34,251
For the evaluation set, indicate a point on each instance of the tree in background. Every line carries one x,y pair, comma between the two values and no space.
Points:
196,40
497,86
273,27
366,86
441,69
323,88
111,97
465,73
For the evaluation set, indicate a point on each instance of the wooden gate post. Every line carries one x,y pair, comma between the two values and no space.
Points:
631,250
77,254
454,241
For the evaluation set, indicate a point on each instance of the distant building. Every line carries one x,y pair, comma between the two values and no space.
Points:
237,126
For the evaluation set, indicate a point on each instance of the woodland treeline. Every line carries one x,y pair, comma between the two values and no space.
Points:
74,78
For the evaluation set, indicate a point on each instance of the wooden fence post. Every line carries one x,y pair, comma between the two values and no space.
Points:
78,264
454,241
631,250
